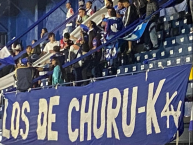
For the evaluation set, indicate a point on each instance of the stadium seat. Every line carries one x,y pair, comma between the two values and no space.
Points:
167,34
189,48
160,35
184,30
182,50
163,54
105,72
167,26
44,82
190,38
185,21
176,16
124,69
169,62
155,54
140,57
146,56
143,67
188,59
135,67
169,42
151,65
160,63
177,23
183,39
179,61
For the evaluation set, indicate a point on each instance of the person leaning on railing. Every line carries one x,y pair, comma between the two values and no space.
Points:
24,75
57,77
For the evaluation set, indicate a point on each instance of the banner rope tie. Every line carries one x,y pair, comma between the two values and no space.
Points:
56,87
74,84
146,76
29,89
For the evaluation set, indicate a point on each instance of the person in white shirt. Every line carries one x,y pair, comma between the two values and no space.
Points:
89,10
50,45
69,14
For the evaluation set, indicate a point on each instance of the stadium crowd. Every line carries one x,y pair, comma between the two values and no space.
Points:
91,36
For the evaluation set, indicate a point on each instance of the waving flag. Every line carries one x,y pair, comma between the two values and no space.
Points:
5,56
137,33
191,120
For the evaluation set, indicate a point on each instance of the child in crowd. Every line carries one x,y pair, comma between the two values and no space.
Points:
57,72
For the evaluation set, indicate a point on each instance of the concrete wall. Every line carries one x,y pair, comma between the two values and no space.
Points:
23,13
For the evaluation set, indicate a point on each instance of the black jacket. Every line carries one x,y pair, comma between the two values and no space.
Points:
131,17
91,36
24,76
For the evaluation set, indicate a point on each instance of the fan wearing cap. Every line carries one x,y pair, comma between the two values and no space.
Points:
82,16
89,10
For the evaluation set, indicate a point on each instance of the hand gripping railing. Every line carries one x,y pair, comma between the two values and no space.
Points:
119,34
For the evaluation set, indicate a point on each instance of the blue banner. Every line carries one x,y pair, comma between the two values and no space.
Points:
143,109
137,33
